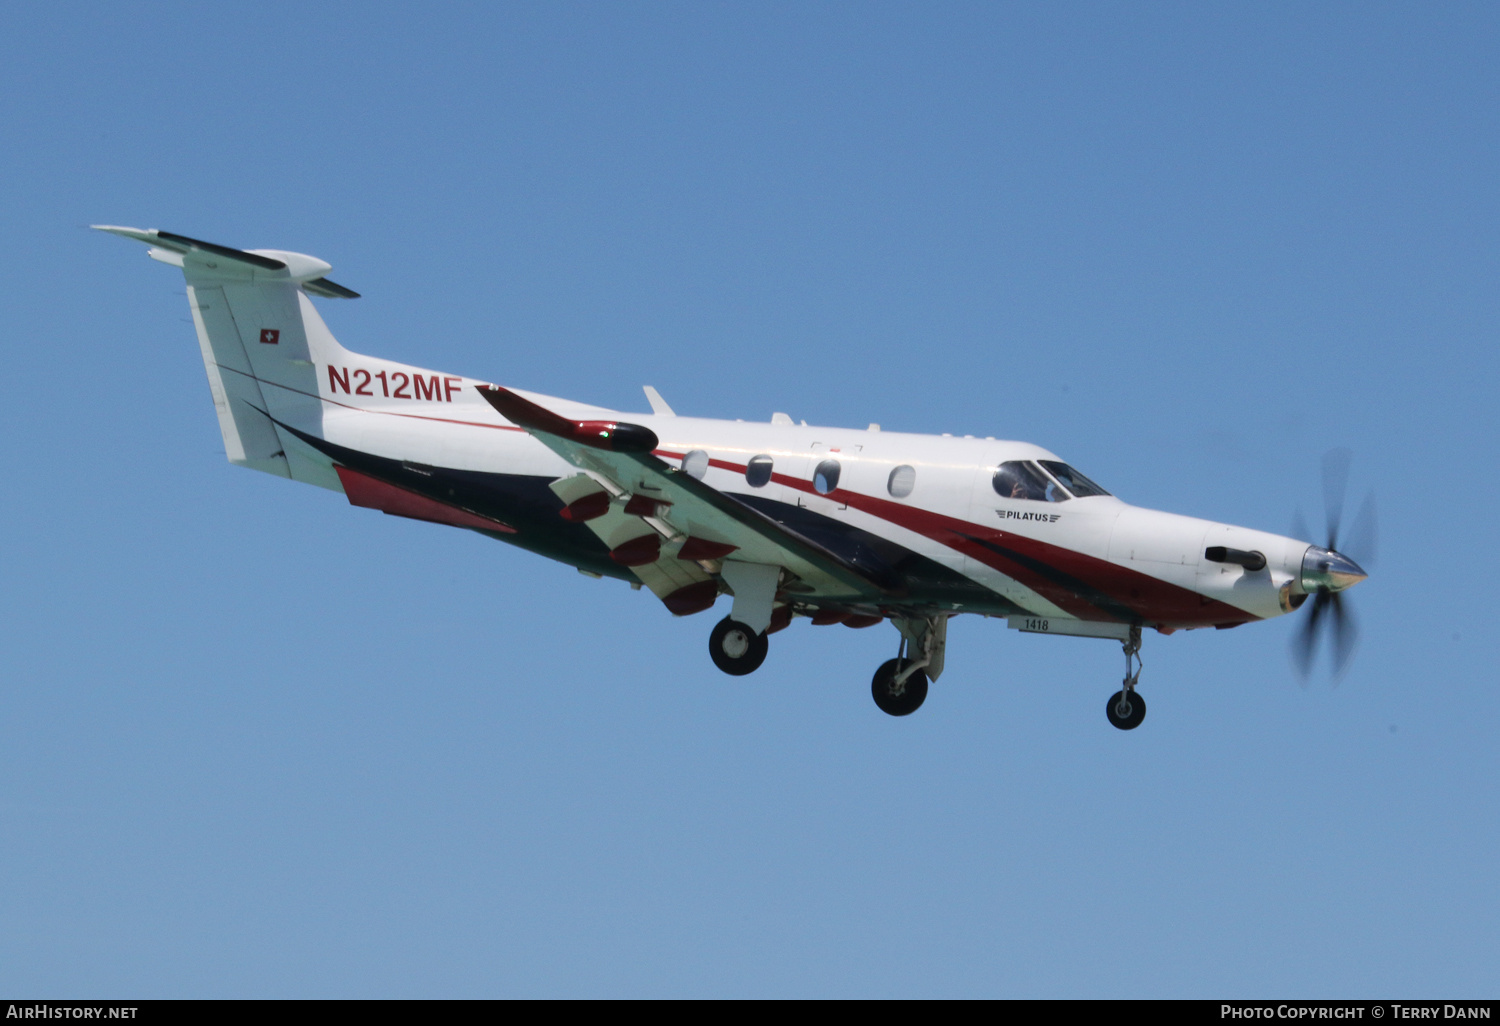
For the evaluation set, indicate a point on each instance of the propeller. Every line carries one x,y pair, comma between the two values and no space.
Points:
1326,571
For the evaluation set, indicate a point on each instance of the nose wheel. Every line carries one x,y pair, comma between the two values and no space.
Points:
1125,708
736,649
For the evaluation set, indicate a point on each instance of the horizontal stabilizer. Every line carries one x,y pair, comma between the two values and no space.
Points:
328,289
308,271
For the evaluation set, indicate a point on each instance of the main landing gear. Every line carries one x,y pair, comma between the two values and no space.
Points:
1126,709
900,685
736,649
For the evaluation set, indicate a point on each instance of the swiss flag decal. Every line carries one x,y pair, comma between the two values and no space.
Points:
270,336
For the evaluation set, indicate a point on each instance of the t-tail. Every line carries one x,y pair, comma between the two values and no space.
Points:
266,349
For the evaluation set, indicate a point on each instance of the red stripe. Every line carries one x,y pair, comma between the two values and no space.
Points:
361,409
1137,595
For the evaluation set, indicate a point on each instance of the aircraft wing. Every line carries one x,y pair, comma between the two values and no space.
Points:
694,526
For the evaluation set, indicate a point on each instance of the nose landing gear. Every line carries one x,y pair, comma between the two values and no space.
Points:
1125,708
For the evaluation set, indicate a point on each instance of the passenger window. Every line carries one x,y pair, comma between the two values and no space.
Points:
903,480
1072,480
758,471
1021,480
826,477
695,464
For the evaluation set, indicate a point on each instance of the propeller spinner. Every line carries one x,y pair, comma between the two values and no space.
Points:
1326,572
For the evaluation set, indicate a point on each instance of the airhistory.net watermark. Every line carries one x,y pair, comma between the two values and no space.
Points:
45,1010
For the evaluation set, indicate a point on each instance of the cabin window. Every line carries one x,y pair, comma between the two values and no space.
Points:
695,464
1072,480
1019,479
826,477
758,471
903,479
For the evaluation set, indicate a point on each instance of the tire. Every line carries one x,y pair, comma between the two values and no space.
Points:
736,649
1126,720
913,690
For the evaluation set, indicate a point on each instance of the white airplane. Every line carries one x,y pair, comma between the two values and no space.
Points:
840,525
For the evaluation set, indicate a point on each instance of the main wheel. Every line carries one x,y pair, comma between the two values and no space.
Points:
1126,710
898,699
736,649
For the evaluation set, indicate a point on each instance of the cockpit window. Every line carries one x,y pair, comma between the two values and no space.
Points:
1021,480
1072,480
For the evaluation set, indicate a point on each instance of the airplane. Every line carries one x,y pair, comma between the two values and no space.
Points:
836,525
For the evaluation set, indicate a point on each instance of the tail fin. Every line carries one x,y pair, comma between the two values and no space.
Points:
261,339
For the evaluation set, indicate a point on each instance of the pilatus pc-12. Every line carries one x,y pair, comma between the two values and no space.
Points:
837,525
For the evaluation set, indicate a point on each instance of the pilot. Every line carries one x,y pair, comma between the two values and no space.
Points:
1015,480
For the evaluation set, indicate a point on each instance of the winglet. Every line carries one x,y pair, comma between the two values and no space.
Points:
599,434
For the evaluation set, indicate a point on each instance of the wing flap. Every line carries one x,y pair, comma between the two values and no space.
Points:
686,511
683,586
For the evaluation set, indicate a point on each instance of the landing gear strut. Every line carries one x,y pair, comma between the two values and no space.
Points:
1126,709
736,649
900,685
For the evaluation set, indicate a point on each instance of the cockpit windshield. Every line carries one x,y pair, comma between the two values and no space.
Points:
1072,480
1019,479
1022,479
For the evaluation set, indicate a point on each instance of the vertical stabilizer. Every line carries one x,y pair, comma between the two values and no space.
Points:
250,438
261,339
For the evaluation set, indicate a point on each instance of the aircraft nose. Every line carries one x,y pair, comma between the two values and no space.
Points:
1327,570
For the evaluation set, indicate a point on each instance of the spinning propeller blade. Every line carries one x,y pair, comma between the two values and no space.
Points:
1345,634
1335,485
1364,535
1305,641
1326,572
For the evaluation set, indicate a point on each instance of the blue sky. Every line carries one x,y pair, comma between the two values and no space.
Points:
254,742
